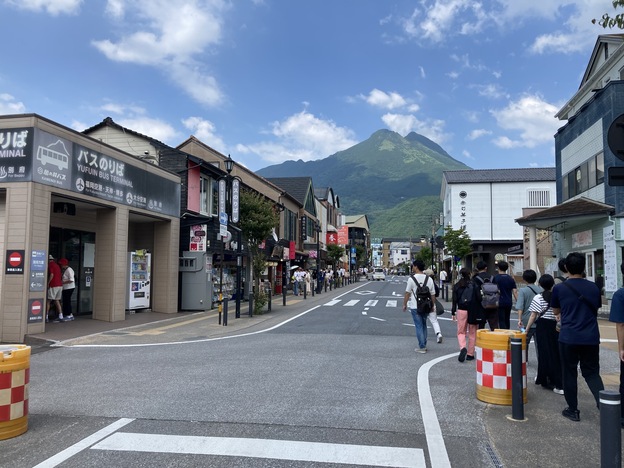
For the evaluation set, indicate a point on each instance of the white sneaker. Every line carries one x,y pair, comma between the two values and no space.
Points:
439,337
421,350
70,317
558,391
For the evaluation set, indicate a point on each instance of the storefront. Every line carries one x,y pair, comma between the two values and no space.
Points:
70,196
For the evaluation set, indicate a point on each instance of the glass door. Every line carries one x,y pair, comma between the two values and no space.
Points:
589,266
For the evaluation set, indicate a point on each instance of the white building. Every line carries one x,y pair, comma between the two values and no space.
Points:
487,203
399,253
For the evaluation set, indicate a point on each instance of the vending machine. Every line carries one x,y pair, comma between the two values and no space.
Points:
139,281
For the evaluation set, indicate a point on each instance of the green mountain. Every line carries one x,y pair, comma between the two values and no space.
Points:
394,180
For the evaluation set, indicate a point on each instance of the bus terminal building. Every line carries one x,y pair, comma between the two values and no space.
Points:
67,195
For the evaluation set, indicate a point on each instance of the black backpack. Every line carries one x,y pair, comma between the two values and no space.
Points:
467,297
423,297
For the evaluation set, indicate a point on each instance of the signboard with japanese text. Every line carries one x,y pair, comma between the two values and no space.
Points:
198,238
36,308
14,262
15,154
38,267
332,238
31,154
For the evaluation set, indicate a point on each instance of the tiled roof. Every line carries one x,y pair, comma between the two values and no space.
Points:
476,176
570,213
296,187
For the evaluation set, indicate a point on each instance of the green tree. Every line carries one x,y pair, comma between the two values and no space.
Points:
425,255
457,243
335,253
257,218
360,256
608,21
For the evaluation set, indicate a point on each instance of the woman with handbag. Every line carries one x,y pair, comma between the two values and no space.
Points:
465,314
547,336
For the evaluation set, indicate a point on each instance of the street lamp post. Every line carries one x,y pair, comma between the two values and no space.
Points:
229,192
318,258
432,253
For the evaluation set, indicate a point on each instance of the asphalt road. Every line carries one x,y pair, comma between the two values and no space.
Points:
333,382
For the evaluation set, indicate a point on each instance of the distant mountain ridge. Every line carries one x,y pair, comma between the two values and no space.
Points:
378,176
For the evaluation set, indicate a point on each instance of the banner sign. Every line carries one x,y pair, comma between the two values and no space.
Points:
30,154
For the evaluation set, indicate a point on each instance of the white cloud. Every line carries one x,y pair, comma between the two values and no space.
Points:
170,35
492,91
205,130
442,17
532,118
478,133
8,105
154,128
466,154
384,100
406,123
302,136
52,7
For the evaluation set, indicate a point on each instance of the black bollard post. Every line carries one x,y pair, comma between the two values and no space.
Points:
517,401
225,311
610,433
251,303
284,295
270,294
305,291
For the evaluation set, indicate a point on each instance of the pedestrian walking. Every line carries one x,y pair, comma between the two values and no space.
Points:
433,315
69,285
616,315
417,278
523,301
508,291
576,301
491,315
464,311
546,337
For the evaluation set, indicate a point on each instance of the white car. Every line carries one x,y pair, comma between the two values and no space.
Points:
379,275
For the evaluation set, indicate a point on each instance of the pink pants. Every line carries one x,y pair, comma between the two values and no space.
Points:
462,326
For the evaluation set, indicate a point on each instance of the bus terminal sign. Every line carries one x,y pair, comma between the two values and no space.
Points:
30,154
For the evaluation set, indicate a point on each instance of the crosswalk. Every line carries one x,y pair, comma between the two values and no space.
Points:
369,303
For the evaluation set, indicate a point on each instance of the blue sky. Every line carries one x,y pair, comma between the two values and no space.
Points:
274,80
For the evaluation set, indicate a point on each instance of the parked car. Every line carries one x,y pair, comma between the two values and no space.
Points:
379,275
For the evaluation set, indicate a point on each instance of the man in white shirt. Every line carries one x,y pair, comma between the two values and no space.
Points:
409,301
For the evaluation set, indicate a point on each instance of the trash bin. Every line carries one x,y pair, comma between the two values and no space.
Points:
14,381
493,354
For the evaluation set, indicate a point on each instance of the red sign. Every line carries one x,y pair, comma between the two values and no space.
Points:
14,262
332,238
291,252
343,235
35,310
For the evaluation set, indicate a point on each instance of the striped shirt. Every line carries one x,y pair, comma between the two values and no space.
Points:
539,305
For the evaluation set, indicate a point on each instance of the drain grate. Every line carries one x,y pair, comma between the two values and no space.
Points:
496,462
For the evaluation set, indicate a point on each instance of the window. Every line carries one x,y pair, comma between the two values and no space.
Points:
290,225
208,195
586,176
538,198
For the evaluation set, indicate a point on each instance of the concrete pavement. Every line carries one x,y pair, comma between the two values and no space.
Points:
543,438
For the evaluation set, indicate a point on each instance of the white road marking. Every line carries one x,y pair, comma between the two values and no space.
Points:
371,303
351,303
435,441
365,293
264,448
364,312
83,444
391,303
333,302
380,319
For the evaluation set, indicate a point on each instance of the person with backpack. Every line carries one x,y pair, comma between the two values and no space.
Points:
419,298
525,296
464,311
616,315
576,301
489,296
507,291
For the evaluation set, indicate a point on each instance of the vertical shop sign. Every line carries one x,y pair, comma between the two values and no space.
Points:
198,238
14,262
38,268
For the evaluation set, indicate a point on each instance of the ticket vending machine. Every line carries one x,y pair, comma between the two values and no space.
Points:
196,284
